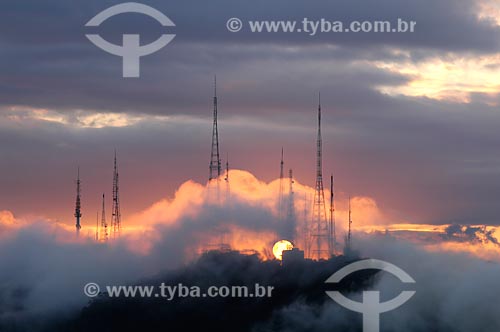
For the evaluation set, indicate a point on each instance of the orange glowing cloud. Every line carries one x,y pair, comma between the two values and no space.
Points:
10,226
7,219
227,227
191,198
186,202
189,201
364,212
486,251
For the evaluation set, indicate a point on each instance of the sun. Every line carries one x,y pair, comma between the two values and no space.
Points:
281,246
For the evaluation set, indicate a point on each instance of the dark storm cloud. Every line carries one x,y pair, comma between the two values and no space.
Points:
183,84
443,24
472,234
46,61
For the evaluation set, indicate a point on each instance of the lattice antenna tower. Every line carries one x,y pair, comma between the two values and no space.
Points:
104,224
291,218
281,188
215,162
116,214
332,231
78,205
319,222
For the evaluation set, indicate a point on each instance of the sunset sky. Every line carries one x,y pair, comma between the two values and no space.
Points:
410,131
411,120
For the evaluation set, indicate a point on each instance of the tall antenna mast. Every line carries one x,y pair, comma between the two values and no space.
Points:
281,188
215,164
291,218
319,209
332,234
116,214
78,205
104,225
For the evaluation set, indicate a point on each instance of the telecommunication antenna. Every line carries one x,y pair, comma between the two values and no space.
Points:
291,217
104,224
116,214
215,163
78,205
333,234
319,222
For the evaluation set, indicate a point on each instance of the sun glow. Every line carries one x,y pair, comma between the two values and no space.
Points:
281,246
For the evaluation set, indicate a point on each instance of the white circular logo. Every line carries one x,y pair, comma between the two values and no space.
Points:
234,24
131,50
371,307
91,289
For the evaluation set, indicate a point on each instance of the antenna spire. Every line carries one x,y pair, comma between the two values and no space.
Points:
332,234
215,163
104,224
116,214
281,187
78,205
319,223
227,167
291,216
319,116
215,86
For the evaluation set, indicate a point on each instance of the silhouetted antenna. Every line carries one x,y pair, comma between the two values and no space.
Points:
116,214
333,233
104,224
319,222
290,217
225,234
215,164
281,188
78,205
215,169
215,161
